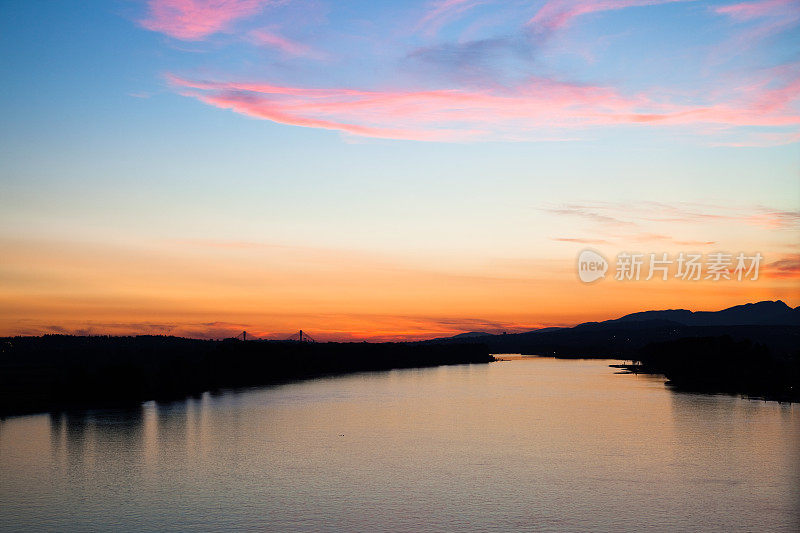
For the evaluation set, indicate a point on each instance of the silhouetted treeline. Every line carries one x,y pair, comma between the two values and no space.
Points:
722,364
61,371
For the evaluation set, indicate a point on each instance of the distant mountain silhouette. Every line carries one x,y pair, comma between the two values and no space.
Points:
476,334
470,334
765,313
768,322
543,330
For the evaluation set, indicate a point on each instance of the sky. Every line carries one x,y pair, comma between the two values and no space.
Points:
388,170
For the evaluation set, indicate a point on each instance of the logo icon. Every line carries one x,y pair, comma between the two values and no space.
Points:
591,266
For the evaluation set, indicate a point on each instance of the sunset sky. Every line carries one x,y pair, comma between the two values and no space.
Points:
387,169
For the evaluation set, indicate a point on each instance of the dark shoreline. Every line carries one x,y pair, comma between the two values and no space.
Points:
61,372
722,364
715,365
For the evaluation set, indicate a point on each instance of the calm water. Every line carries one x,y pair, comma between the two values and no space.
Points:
534,444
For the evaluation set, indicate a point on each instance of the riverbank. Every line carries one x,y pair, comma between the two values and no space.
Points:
710,365
722,365
57,372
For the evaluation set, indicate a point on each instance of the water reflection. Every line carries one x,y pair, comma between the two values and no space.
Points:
736,456
530,444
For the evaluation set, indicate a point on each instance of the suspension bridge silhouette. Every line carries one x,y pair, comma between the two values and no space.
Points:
300,336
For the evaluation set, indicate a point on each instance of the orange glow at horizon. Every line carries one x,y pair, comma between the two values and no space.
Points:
214,291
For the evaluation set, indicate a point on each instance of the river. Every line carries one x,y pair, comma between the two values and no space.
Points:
532,444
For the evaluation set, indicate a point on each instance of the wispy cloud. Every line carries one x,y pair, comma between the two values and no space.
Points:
629,214
470,59
496,114
477,62
759,21
343,110
775,219
786,267
444,11
267,37
482,89
553,15
760,216
581,241
193,20
558,14
611,222
754,10
694,243
590,213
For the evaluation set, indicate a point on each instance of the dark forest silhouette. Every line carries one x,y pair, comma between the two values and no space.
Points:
722,364
63,371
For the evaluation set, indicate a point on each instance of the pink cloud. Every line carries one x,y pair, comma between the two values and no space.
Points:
753,10
775,219
774,16
287,46
526,112
557,14
192,20
552,16
282,114
420,115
